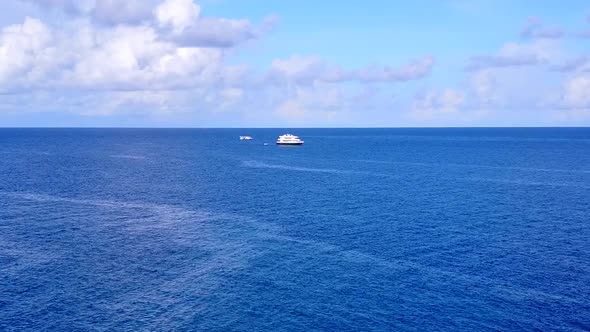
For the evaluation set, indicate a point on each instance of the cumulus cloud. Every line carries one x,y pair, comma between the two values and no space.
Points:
160,57
225,99
515,55
26,53
308,87
303,69
216,32
433,104
83,55
134,58
484,87
490,61
155,101
177,14
535,28
116,11
306,69
109,12
573,102
69,6
576,92
526,82
578,64
179,20
320,101
414,70
33,54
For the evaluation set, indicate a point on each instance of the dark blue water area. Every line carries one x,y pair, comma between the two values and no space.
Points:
357,230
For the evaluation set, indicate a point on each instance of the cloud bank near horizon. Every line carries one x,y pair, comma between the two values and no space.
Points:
165,62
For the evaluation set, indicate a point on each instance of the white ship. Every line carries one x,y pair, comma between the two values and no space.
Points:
289,139
245,138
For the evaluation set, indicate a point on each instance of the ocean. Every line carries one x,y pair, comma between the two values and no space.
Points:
475,229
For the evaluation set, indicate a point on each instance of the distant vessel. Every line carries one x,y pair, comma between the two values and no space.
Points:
245,138
289,139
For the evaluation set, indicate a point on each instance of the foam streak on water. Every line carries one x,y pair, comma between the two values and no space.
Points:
474,166
380,230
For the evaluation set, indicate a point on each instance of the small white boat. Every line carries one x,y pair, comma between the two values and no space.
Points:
246,138
289,139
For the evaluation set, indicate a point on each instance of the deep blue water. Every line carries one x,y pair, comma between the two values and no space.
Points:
359,229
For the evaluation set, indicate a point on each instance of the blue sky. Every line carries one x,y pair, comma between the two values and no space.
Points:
262,63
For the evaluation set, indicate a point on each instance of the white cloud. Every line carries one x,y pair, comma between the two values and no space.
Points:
292,111
216,32
69,6
577,64
105,57
179,20
308,88
26,53
319,102
484,87
307,69
104,70
122,11
507,91
177,14
435,104
117,58
573,103
110,12
414,70
300,68
576,92
517,55
229,97
535,28
517,78
118,101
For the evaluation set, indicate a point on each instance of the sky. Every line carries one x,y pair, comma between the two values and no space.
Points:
263,63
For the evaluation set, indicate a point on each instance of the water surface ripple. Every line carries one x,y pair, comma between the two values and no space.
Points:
359,229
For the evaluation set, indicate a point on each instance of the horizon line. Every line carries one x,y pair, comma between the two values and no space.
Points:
409,127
